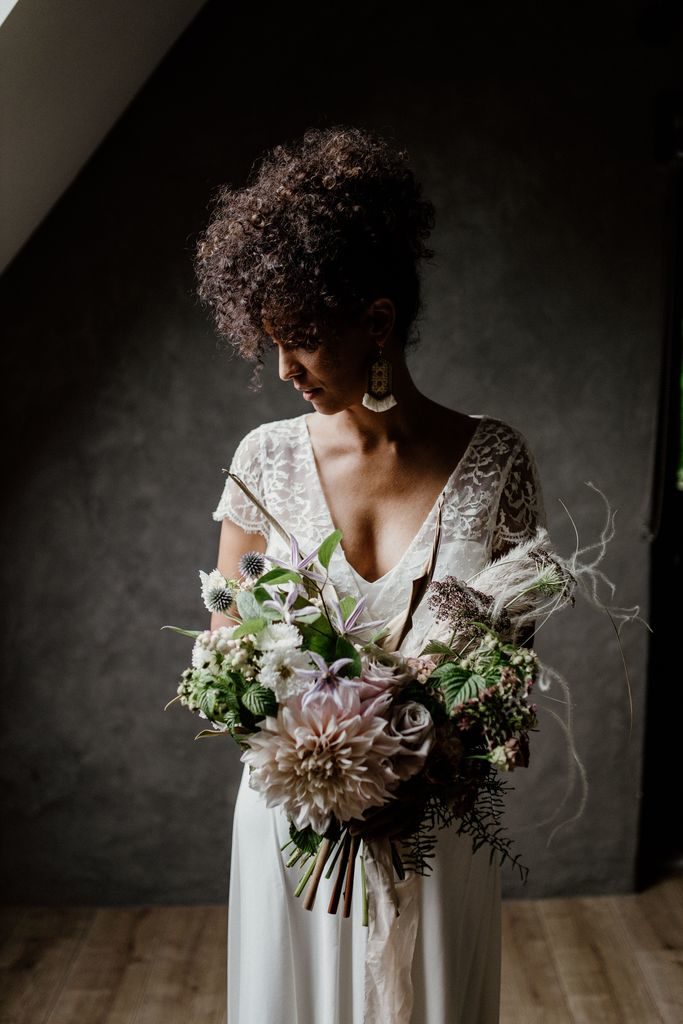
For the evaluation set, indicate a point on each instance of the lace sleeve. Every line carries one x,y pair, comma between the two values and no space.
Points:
521,507
234,503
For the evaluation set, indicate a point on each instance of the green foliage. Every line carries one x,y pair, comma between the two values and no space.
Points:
192,633
276,576
260,700
345,649
327,547
319,636
250,626
437,647
247,605
457,684
305,839
206,701
347,604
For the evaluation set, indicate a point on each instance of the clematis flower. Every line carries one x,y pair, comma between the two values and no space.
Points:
300,563
285,607
325,678
321,758
349,626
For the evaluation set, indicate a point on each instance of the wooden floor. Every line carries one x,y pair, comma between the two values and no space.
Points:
592,960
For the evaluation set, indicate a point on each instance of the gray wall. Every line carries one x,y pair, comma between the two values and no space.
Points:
544,307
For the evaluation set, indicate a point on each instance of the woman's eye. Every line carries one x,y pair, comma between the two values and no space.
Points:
307,344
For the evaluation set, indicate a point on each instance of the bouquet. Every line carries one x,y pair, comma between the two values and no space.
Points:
336,724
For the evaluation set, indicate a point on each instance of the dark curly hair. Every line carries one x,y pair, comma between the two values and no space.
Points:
325,225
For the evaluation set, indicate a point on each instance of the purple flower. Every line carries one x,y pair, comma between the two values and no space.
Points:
285,606
325,677
299,563
350,626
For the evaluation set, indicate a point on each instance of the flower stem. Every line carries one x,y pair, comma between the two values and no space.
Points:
295,857
343,861
364,891
320,859
304,878
350,871
334,859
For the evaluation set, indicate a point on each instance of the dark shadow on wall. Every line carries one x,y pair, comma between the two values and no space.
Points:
661,825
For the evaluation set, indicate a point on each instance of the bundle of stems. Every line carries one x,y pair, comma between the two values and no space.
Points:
341,852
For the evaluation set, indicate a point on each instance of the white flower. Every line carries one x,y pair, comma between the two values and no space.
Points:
279,671
217,594
278,634
323,758
204,654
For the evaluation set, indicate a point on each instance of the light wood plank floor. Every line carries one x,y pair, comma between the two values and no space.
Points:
597,960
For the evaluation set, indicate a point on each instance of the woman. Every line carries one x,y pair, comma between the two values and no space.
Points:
318,260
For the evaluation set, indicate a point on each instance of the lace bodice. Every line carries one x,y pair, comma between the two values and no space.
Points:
492,500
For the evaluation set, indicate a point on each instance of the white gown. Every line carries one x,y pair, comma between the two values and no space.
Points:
288,965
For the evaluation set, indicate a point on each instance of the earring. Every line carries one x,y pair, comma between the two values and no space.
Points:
378,396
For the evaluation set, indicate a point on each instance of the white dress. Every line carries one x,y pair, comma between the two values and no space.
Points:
288,965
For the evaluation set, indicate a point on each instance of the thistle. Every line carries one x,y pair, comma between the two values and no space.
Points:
252,564
217,593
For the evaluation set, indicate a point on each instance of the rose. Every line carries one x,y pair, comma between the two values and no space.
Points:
412,724
377,677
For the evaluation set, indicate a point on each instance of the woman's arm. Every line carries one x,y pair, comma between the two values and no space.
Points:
233,543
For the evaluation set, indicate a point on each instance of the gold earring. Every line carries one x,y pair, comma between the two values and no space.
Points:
378,396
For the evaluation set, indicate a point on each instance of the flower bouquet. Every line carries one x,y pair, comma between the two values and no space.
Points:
336,724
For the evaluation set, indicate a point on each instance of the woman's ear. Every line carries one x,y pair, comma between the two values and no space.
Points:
380,318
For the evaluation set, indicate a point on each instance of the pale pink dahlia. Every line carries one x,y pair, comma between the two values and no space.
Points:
329,756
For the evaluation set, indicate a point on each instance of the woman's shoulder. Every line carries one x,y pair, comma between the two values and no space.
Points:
265,435
503,432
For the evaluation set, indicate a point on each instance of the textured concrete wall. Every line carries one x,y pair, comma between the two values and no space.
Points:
544,307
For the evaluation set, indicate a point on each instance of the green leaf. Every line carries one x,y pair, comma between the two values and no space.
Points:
345,649
327,547
207,701
260,700
347,604
278,575
305,839
232,719
322,645
447,668
436,647
458,684
192,633
247,605
250,626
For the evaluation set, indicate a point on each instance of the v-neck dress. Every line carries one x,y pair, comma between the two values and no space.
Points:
288,965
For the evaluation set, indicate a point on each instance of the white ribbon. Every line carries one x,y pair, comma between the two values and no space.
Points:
393,915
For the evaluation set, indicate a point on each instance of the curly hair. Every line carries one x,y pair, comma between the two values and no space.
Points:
325,225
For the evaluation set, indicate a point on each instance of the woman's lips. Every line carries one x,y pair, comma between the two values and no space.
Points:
312,391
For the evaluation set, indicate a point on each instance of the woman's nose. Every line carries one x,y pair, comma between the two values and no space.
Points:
288,365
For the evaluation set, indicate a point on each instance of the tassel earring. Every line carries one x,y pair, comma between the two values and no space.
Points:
378,396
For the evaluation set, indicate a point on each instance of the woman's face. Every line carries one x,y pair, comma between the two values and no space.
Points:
331,373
